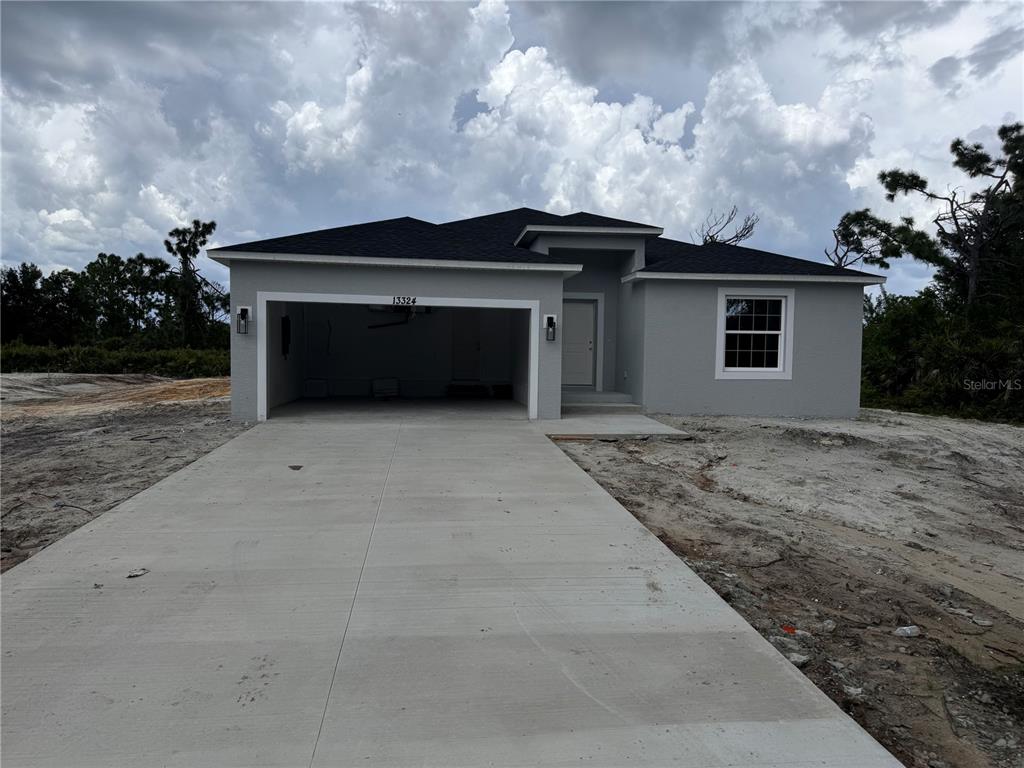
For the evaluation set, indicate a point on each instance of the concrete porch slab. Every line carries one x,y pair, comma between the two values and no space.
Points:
596,423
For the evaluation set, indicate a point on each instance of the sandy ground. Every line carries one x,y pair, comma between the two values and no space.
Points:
73,446
827,536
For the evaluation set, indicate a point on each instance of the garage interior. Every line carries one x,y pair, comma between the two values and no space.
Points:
345,353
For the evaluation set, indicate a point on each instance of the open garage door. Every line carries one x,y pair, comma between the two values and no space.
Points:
368,349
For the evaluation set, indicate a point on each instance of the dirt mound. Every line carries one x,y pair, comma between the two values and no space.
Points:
114,393
21,387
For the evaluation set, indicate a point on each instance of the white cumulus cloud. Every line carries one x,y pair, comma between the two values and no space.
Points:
278,118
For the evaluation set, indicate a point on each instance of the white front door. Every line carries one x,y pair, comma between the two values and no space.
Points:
578,331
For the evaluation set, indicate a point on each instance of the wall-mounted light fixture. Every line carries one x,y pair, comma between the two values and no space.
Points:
242,315
550,327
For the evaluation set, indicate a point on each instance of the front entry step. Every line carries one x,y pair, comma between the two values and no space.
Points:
580,408
590,397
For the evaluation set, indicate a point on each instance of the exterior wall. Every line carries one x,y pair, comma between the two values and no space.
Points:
248,278
679,352
521,358
629,373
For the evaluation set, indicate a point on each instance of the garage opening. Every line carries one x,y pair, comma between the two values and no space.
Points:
345,354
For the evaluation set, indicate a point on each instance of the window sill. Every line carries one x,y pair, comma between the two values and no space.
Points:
754,375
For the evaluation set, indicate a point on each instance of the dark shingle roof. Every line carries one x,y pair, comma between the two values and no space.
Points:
491,238
508,224
584,219
664,255
404,238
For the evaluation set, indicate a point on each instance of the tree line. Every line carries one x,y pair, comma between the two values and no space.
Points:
958,345
141,302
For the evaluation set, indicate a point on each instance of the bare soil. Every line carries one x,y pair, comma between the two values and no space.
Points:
829,535
75,445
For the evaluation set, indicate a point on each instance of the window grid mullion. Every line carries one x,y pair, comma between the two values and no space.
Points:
748,358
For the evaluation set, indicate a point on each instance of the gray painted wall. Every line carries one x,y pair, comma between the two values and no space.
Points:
679,347
664,336
521,358
249,277
629,371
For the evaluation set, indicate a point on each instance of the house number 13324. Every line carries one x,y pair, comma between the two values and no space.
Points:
403,301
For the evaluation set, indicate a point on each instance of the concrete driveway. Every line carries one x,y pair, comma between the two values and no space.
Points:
398,587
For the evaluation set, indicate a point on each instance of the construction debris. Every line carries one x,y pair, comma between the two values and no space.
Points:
911,631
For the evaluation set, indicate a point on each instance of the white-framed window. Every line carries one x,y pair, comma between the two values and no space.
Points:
754,333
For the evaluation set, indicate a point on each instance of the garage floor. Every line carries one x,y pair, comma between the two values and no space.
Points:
353,410
395,589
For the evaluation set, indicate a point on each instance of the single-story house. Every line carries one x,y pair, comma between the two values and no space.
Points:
542,309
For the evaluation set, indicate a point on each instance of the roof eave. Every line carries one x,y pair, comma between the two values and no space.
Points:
225,257
863,279
530,231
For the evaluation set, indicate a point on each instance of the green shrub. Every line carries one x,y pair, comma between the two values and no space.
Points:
917,357
176,363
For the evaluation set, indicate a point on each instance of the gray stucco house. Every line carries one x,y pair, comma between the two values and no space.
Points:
543,309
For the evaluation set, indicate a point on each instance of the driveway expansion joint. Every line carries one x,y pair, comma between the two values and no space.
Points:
355,593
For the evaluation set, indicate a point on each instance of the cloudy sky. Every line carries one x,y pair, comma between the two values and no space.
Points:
123,120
